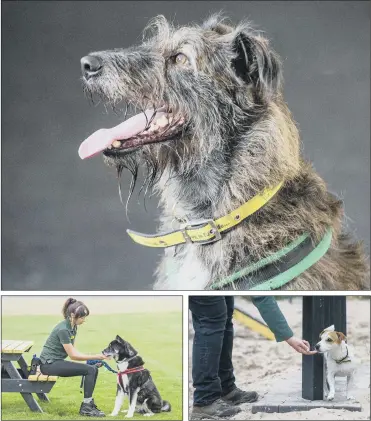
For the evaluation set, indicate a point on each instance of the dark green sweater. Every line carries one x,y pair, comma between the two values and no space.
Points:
62,334
273,317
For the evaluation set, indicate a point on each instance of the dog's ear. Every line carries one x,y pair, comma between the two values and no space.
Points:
327,329
341,337
257,64
118,338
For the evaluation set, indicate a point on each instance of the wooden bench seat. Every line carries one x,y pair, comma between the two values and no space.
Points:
42,378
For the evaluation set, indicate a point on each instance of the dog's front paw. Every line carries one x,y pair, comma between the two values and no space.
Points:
113,414
148,414
330,397
129,416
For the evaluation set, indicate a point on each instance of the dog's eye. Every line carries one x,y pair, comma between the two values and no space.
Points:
329,340
180,59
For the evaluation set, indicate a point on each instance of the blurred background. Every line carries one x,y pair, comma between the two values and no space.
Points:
63,226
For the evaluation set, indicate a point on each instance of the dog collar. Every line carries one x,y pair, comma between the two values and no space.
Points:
343,360
207,230
279,268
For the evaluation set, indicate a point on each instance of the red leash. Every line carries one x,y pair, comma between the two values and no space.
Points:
131,370
128,371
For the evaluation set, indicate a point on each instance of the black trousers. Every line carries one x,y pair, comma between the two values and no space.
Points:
63,368
212,368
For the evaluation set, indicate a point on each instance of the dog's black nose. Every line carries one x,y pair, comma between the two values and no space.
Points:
316,347
91,66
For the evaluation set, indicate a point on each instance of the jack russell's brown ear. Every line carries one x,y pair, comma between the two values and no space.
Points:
341,337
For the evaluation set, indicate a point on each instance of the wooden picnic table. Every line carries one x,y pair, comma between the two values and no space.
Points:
17,380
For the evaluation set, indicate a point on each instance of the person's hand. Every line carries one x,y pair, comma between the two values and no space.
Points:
100,357
300,345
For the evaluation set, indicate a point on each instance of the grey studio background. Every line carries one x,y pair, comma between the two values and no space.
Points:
63,226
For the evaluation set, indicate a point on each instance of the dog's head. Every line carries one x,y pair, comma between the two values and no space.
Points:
330,339
197,87
119,350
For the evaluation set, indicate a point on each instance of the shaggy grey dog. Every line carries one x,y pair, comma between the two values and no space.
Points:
213,132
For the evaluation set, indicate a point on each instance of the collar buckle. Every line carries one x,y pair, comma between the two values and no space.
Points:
195,224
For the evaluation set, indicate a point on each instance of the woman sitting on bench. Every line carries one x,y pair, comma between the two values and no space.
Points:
60,344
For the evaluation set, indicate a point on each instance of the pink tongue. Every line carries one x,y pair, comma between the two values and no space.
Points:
102,138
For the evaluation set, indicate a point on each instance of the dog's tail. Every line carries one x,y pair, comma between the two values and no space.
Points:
166,407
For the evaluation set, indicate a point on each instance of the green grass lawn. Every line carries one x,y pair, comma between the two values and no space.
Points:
156,336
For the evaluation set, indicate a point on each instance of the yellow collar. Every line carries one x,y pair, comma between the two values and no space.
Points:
207,230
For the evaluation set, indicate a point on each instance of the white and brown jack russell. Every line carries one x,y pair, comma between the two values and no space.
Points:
339,361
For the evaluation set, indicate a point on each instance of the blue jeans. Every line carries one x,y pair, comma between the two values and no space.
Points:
212,368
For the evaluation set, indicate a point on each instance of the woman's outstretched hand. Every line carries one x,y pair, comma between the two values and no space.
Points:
300,345
100,357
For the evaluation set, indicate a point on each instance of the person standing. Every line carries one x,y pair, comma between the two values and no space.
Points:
216,393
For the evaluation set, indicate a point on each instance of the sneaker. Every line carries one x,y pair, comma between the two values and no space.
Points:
238,397
218,408
95,406
90,410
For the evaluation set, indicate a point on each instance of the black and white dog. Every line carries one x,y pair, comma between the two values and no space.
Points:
134,381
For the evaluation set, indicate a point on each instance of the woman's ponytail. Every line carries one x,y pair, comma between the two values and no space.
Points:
78,308
65,311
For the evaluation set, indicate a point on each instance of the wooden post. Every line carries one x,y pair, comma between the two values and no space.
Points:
319,312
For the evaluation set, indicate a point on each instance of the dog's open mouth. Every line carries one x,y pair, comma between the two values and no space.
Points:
110,354
151,126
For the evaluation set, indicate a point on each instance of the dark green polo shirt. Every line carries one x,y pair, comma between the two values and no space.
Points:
62,334
273,317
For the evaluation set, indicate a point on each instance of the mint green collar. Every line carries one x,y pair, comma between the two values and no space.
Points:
288,275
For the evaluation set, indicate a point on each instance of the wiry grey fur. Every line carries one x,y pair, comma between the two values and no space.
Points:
239,138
